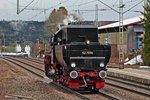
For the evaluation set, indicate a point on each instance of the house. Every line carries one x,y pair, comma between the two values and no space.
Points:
133,34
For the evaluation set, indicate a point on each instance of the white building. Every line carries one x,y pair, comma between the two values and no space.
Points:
18,48
27,50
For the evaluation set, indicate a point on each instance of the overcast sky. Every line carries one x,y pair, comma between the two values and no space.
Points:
8,9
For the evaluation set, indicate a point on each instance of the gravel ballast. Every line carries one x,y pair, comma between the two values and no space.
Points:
14,81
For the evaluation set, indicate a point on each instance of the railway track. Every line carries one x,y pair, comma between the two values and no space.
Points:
128,86
42,77
37,59
133,84
124,85
34,60
13,60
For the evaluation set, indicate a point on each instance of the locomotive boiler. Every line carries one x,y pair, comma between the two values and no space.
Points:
76,58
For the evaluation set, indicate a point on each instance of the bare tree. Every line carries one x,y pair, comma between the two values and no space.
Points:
56,17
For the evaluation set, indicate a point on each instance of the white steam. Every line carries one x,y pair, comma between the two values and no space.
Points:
69,19
66,21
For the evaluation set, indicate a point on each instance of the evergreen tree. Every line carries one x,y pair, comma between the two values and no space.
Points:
146,50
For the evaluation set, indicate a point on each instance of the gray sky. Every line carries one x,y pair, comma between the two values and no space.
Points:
8,9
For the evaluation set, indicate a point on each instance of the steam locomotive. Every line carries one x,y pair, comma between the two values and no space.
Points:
76,58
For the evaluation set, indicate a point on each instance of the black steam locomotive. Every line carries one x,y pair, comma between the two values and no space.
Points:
76,58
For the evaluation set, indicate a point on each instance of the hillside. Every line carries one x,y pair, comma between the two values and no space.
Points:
21,31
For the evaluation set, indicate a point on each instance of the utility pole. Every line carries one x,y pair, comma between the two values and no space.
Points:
18,10
3,38
96,15
121,47
4,42
3,33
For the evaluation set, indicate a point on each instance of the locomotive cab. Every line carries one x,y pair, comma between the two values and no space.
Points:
78,57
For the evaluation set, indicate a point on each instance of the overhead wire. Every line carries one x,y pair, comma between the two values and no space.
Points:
43,11
26,6
61,2
86,3
133,6
108,6
64,1
35,9
131,1
57,5
36,3
114,3
37,14
127,2
81,4
73,4
29,9
32,17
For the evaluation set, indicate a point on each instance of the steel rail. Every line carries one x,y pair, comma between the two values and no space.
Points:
54,83
99,93
130,83
40,69
37,59
24,68
108,96
127,89
123,82
33,60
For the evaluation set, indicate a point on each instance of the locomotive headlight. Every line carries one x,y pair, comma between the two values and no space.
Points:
102,74
73,74
73,64
87,42
101,64
65,47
